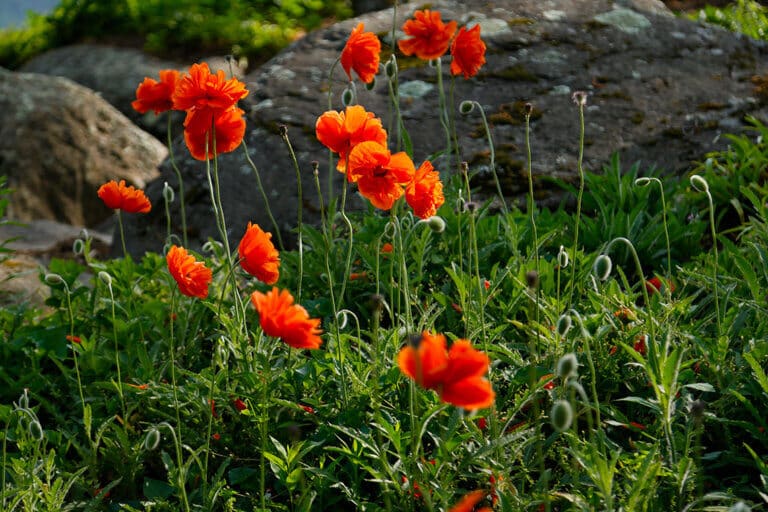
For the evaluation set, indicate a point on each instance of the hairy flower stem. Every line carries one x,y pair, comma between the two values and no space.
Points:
263,196
452,122
177,440
181,185
578,203
492,150
117,356
443,107
350,245
122,234
334,307
299,209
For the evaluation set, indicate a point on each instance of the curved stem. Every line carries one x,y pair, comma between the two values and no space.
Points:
492,150
578,203
263,196
300,207
181,185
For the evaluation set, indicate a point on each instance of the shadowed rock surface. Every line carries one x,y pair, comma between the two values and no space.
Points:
59,142
662,90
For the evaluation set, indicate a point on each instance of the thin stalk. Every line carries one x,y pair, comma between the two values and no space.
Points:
263,196
331,167
181,184
117,355
443,108
531,200
177,440
74,355
578,200
300,207
492,150
348,264
122,233
452,122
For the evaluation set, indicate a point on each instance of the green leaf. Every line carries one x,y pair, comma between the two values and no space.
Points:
157,489
701,386
240,475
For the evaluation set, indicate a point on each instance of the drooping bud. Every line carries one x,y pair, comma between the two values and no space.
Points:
54,279
152,441
436,224
532,279
602,267
78,246
347,97
168,194
564,324
35,430
568,366
562,257
699,183
561,415
466,106
105,278
642,182
390,68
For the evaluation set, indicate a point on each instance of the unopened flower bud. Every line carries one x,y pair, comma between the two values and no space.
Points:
466,106
152,441
564,324
568,366
390,68
371,85
54,279
470,207
436,224
699,183
532,279
562,257
78,246
464,168
561,415
602,267
24,399
642,182
168,194
105,278
528,109
283,129
579,98
347,97
315,167
377,303
35,430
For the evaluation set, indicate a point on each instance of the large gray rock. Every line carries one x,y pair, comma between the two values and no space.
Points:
660,89
114,73
59,142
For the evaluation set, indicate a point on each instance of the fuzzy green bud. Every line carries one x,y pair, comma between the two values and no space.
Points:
562,257
152,441
35,430
24,400
436,224
568,366
371,85
78,246
105,278
390,68
561,415
168,194
347,97
466,106
54,279
642,182
602,267
699,183
564,324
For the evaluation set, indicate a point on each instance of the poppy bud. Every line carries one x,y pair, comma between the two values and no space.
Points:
347,97
390,68
642,182
561,415
466,106
152,441
579,98
528,109
562,257
564,324
24,400
35,430
532,279
371,85
568,366
54,279
105,278
436,224
168,194
602,267
377,303
315,167
699,183
78,246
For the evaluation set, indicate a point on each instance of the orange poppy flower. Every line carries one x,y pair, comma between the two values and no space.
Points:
429,36
281,318
258,255
456,374
230,129
425,193
154,95
379,174
118,196
467,52
361,54
205,96
192,276
468,502
341,131
655,284
387,248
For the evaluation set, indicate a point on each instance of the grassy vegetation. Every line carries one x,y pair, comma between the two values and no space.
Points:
254,29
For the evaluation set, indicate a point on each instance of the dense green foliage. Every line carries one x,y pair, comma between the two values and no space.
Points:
254,29
749,17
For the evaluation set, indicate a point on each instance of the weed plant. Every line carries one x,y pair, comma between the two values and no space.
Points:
627,365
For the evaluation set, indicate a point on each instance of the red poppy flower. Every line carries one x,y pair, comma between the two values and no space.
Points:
216,436
429,36
191,275
239,404
655,284
307,409
281,318
230,128
456,374
340,131
361,54
258,255
425,192
74,339
468,502
467,52
118,196
205,96
154,95
379,174
640,346
387,248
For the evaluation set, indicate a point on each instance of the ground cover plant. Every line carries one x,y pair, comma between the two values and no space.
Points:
432,353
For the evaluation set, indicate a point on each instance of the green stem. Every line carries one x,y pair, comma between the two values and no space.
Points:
117,356
122,233
578,202
492,150
264,196
300,207
443,108
181,185
178,441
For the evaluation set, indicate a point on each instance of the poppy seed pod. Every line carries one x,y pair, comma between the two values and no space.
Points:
562,257
466,106
152,441
568,366
564,324
579,98
561,415
602,267
436,224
